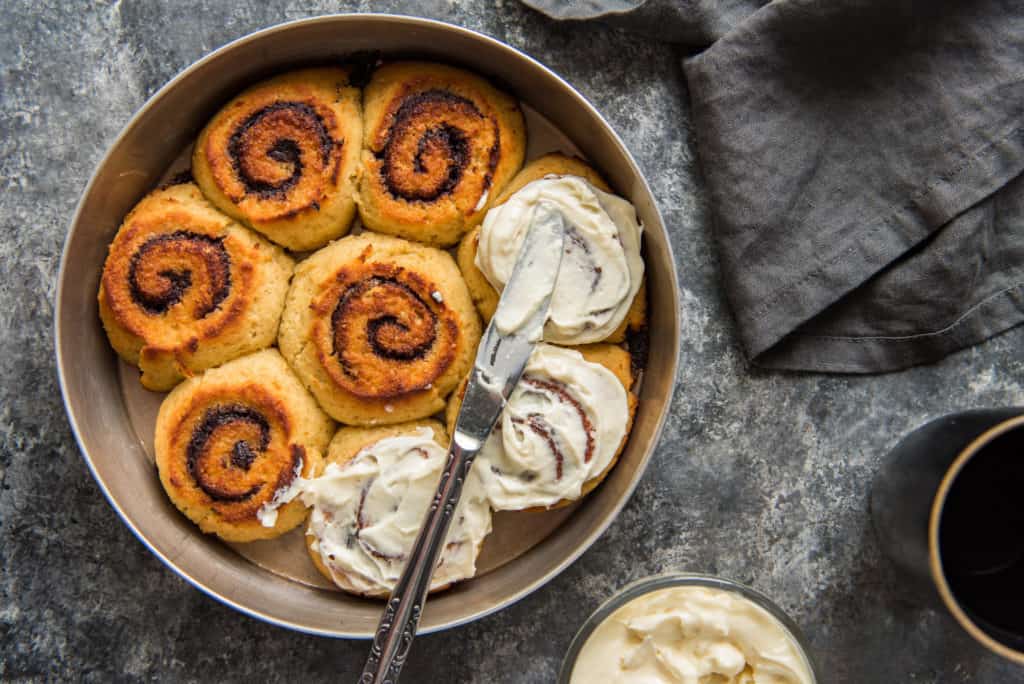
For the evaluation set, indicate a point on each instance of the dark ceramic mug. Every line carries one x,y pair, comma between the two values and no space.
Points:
909,495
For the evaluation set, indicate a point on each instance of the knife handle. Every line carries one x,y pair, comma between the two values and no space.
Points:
402,613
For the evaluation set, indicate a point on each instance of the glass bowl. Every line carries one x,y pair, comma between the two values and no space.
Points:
657,582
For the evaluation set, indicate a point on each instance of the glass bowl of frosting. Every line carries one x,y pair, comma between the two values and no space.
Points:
688,629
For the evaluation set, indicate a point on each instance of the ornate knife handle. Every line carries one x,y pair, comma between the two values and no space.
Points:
499,364
402,613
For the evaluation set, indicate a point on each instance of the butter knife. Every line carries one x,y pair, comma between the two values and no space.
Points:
514,330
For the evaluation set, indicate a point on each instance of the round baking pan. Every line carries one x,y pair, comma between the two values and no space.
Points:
106,412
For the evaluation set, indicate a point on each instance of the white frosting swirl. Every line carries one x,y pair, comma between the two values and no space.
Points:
691,635
601,270
366,514
562,426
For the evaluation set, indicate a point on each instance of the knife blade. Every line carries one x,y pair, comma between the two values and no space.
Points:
514,330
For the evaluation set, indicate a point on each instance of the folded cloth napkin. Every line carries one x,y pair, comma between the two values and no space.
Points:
863,160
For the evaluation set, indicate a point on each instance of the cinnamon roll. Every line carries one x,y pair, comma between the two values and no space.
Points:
440,143
185,288
282,157
380,329
484,296
369,502
602,258
233,444
562,429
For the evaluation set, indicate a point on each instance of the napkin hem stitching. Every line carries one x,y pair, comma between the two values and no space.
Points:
968,161
916,336
990,317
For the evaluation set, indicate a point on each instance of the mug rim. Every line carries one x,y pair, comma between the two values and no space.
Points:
938,505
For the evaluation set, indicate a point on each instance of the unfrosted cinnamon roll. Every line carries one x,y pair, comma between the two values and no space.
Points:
369,502
602,295
380,329
232,443
562,429
439,144
185,288
282,157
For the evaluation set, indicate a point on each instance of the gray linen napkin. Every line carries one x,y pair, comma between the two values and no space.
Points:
863,163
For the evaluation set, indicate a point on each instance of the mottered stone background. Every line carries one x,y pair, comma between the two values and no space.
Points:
760,477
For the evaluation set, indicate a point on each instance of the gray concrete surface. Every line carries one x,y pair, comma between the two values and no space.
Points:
761,477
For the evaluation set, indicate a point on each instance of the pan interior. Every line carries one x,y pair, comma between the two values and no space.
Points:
113,417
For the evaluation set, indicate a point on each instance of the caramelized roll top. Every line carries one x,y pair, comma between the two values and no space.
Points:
282,156
232,443
439,144
380,334
379,329
185,288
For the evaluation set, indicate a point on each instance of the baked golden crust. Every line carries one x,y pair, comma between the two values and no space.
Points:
348,442
612,357
485,297
229,440
283,155
380,329
636,317
439,144
552,164
184,288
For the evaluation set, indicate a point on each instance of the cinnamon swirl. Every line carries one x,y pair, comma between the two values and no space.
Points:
603,257
282,157
439,144
380,329
562,429
369,501
232,444
185,288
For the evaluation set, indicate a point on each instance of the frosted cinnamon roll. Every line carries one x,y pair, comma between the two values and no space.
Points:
439,144
282,157
380,329
232,444
601,277
554,164
184,288
562,430
369,502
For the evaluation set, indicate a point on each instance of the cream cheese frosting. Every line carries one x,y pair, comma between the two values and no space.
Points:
691,635
561,427
367,513
601,268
